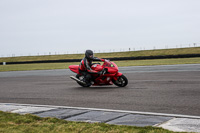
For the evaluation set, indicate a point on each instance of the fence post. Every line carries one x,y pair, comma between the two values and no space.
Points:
4,63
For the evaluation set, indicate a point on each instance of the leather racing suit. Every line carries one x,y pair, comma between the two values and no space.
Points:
85,68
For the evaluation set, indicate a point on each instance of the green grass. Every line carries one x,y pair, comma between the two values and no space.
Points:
159,62
178,51
15,123
39,66
45,66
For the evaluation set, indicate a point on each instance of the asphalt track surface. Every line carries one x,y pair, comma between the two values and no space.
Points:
172,89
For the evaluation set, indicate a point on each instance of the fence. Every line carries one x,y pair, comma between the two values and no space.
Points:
105,51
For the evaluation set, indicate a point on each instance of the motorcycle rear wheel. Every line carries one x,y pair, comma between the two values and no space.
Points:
122,81
81,77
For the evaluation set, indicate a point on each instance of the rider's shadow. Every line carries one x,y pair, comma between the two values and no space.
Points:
98,88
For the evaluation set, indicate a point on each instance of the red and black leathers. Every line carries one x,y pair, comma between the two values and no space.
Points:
85,65
85,68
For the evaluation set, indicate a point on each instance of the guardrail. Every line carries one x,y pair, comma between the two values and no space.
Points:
112,59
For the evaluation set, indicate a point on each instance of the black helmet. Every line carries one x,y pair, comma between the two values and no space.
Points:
89,54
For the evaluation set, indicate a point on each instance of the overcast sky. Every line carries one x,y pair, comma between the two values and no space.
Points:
43,26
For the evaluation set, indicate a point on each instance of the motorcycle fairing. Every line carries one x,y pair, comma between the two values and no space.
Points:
106,79
74,68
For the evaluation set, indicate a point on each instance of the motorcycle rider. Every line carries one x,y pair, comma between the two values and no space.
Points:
85,66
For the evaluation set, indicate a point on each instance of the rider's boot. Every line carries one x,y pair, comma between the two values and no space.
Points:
87,82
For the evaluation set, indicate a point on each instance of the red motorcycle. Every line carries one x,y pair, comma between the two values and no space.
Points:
109,75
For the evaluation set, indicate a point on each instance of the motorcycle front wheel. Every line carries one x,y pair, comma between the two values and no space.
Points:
122,81
81,77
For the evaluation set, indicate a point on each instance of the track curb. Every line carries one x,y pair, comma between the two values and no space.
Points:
110,110
173,122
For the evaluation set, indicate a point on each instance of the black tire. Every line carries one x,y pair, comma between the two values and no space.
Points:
80,77
122,81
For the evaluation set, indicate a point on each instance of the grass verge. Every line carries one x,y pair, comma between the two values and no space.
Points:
15,123
47,66
176,51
